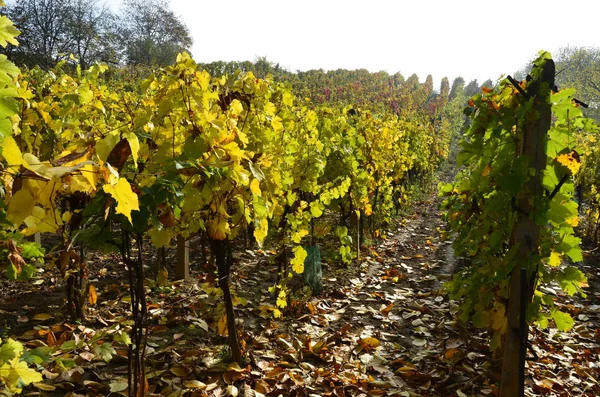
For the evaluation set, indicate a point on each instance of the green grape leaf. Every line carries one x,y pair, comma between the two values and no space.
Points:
7,69
9,350
570,246
160,237
122,337
571,280
564,321
104,351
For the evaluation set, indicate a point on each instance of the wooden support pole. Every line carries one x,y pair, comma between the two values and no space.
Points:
526,236
182,267
36,238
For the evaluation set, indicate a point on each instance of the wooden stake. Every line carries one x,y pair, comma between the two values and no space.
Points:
182,267
526,236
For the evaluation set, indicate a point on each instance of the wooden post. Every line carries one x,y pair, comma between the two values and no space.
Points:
182,267
526,236
36,238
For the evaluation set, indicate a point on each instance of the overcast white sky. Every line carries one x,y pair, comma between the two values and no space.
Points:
472,39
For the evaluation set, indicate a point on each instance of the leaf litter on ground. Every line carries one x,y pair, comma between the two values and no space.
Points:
382,327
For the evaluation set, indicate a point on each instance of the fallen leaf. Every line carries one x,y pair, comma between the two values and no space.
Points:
194,384
42,317
369,344
222,326
92,295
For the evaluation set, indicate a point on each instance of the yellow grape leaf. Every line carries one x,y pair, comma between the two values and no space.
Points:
51,221
134,144
261,230
316,209
78,183
287,98
235,153
297,236
106,144
11,152
255,187
298,261
218,228
277,124
126,199
571,161
92,295
572,221
35,219
42,191
555,259
222,326
236,107
281,299
20,207
15,374
276,313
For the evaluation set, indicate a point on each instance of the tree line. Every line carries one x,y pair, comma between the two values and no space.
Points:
143,32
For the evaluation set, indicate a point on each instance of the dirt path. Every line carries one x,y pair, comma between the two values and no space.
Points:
385,328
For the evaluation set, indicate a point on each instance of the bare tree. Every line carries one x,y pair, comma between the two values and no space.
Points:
151,34
54,29
90,32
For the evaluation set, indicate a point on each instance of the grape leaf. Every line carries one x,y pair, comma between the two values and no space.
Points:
20,207
8,32
15,375
9,350
104,351
564,321
126,199
11,152
298,260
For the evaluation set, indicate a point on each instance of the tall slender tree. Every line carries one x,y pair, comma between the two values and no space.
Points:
458,86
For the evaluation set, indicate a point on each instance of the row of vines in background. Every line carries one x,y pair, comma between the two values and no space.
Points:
104,163
589,185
